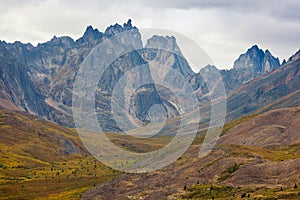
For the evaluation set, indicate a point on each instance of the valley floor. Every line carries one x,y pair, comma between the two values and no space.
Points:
257,157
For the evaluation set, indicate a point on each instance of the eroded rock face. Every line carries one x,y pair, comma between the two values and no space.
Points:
16,86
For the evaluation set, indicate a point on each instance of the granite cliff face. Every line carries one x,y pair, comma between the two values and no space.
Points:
40,79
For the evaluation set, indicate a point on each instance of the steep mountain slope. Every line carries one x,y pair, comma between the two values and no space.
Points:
288,101
17,89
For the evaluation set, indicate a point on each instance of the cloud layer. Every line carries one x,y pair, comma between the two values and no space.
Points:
223,28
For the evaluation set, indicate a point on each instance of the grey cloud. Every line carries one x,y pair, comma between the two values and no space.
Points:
208,4
288,9
225,28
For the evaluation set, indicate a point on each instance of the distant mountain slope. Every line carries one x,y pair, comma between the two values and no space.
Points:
288,101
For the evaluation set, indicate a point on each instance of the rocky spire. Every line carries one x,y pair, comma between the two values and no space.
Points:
117,28
90,35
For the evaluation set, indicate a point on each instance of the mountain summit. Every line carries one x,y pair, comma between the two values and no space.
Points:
257,61
117,28
90,35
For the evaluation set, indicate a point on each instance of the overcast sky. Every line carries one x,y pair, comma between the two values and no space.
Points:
223,28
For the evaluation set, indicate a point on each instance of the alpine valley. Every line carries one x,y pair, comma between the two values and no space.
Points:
42,157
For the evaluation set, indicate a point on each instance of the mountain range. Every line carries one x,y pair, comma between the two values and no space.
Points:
256,157
43,82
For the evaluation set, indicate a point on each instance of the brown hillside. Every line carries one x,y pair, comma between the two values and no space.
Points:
42,160
261,152
276,127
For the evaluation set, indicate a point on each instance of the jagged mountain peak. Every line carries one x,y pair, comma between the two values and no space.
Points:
255,51
268,53
254,47
128,25
117,28
90,35
257,61
89,28
91,31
